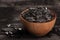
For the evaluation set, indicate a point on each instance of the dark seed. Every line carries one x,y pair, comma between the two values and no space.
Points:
38,14
7,29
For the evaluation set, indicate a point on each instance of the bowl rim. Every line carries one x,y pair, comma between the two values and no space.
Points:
53,13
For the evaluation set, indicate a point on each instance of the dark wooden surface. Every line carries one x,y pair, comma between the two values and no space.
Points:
10,15
25,2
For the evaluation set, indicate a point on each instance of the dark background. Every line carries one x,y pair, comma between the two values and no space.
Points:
10,10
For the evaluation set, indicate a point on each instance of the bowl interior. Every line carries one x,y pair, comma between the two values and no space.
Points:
52,13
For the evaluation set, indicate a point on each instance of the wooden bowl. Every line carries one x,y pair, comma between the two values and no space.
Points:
38,29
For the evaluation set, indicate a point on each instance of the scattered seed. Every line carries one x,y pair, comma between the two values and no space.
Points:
6,33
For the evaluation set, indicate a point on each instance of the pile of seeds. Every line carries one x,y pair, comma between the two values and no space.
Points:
38,14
